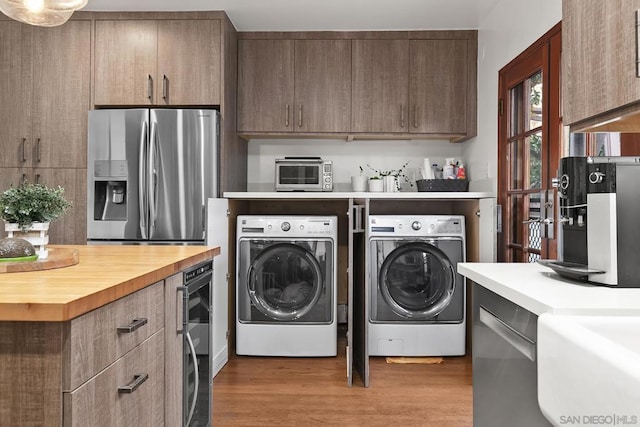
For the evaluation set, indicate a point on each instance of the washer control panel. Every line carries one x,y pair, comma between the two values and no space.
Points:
409,225
290,226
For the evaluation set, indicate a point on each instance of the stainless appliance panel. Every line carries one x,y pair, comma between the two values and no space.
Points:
114,206
183,163
505,380
150,173
197,355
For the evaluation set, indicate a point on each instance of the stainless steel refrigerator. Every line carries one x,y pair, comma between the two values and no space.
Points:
150,173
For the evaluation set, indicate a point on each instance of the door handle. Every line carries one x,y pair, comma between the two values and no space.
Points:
165,86
300,116
24,150
401,115
637,43
149,87
507,333
38,152
138,379
135,324
415,116
143,197
286,115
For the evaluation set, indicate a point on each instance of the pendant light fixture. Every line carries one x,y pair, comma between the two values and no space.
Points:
43,13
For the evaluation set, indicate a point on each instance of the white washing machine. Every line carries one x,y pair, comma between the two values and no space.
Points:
417,299
286,289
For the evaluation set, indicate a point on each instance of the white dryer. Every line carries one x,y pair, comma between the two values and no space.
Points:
286,287
417,299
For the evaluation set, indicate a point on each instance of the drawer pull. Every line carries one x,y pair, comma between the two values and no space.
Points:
133,325
138,379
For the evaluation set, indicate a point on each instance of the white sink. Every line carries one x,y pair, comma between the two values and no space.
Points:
589,369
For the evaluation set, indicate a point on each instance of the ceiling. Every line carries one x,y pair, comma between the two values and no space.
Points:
314,15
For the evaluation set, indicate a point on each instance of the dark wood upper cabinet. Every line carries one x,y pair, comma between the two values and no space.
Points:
438,87
157,62
322,85
265,85
600,64
380,86
294,86
363,85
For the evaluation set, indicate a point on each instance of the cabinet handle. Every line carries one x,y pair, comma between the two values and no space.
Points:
637,43
138,379
300,116
401,115
38,157
507,333
37,178
286,115
415,116
165,86
24,178
135,324
24,150
149,87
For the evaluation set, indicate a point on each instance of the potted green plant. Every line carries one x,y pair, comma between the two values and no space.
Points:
391,176
28,209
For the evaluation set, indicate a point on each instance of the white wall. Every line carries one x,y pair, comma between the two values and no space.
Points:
504,31
347,156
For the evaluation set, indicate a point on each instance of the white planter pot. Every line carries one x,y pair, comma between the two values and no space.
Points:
376,185
37,235
390,184
359,183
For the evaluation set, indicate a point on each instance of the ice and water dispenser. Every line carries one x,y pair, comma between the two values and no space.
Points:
110,190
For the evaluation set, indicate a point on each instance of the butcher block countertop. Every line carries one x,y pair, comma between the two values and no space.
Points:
104,274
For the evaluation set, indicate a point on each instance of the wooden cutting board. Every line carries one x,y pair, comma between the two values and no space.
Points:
58,258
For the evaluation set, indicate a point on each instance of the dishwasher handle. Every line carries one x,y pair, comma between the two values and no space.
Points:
513,337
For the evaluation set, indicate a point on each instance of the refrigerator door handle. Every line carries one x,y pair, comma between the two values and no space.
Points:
152,178
143,202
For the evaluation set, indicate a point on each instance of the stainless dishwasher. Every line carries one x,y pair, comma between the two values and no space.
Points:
505,382
197,354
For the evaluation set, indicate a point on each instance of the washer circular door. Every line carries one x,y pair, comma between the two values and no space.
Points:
417,280
285,281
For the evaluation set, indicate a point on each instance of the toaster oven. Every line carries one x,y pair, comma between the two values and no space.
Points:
304,174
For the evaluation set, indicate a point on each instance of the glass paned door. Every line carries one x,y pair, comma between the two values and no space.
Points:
528,147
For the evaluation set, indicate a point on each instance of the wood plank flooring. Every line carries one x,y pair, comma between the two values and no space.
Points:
275,391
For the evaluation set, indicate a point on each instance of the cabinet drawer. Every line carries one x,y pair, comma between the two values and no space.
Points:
99,402
94,341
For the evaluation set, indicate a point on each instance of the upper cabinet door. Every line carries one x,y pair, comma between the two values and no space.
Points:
438,85
380,86
322,86
189,63
599,57
125,62
15,90
61,94
265,86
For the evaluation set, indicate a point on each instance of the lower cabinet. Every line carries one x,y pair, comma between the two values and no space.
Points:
113,363
130,392
103,368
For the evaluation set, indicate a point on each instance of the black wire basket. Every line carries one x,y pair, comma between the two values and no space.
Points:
442,184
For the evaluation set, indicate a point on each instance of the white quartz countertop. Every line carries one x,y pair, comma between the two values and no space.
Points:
540,290
356,195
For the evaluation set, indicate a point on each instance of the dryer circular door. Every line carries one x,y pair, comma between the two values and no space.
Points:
417,280
285,281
